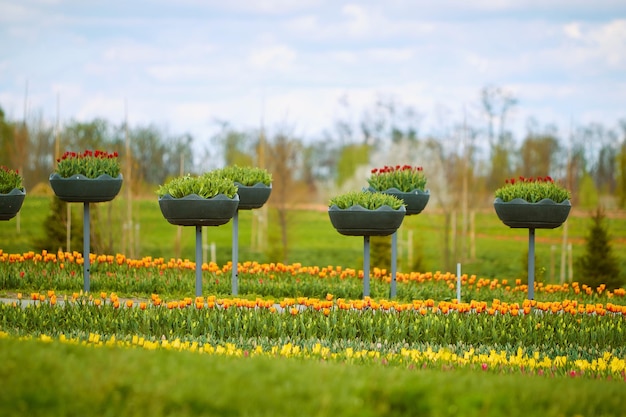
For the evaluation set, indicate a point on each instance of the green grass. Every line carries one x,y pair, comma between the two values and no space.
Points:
500,251
57,379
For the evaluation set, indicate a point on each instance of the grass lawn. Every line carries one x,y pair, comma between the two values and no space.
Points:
60,379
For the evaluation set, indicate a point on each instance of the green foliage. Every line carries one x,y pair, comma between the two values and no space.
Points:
380,254
55,228
351,156
91,164
621,174
366,199
598,265
533,190
540,271
588,197
206,186
9,179
405,178
247,176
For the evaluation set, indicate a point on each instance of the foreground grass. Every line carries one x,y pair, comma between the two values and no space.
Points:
59,379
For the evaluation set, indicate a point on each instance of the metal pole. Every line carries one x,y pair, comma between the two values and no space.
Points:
531,264
198,261
86,237
366,266
458,282
235,253
394,262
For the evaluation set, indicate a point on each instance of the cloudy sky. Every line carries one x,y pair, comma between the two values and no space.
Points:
305,63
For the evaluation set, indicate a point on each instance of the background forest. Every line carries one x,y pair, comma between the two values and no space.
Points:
589,159
464,160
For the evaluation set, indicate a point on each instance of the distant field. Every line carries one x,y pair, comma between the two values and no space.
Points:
500,251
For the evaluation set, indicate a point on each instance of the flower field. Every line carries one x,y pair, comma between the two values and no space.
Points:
318,315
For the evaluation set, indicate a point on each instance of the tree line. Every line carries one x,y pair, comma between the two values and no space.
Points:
464,160
479,151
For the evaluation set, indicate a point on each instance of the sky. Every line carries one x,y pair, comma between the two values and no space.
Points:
304,64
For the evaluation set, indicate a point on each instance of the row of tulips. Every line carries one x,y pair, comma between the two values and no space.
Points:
574,330
295,305
63,271
605,366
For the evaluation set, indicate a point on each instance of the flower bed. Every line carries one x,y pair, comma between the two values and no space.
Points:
61,271
571,330
540,338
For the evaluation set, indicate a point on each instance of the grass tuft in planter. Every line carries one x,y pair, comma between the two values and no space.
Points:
365,199
207,185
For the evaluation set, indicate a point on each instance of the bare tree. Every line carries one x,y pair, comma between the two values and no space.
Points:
497,103
286,190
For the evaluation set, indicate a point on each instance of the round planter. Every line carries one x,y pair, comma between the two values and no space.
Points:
80,189
545,214
253,196
193,210
415,200
11,203
359,221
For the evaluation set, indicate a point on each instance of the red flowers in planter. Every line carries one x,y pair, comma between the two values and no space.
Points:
405,178
532,190
531,179
91,164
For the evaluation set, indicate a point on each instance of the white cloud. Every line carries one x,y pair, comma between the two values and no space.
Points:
572,30
277,57
176,72
611,40
202,59
359,21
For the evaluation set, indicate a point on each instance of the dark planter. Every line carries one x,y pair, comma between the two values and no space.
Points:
253,196
80,189
359,221
545,214
415,200
11,203
193,210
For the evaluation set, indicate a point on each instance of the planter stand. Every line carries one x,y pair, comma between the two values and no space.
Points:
250,197
519,214
80,189
193,210
86,246
531,263
235,254
394,263
366,266
198,261
359,221
416,202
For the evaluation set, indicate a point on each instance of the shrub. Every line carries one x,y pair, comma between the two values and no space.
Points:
598,265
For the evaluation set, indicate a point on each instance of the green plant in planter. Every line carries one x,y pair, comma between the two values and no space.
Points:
368,200
206,186
91,164
533,190
405,178
9,180
247,176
